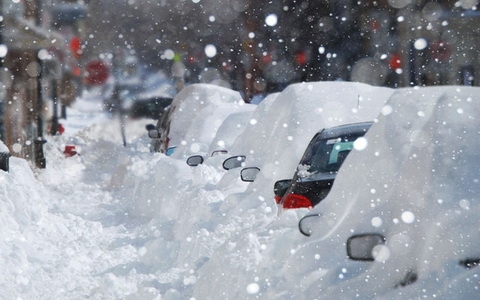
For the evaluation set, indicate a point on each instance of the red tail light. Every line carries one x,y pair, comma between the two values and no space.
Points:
278,199
293,201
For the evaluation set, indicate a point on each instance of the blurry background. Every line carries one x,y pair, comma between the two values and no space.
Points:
52,51
260,46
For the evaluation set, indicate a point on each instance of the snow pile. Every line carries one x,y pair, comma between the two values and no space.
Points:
198,112
120,222
283,126
417,184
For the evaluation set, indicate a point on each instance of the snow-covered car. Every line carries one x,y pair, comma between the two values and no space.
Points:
274,141
192,120
401,221
286,122
158,133
226,134
319,166
4,157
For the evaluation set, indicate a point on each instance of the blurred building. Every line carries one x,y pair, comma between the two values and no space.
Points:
35,72
388,43
421,43
262,46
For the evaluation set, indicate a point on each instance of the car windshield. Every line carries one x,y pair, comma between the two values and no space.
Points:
326,155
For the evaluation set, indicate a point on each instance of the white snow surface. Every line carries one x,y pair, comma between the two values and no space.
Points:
120,222
284,123
199,111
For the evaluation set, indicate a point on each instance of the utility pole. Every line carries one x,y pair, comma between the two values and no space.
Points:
40,161
2,58
1,29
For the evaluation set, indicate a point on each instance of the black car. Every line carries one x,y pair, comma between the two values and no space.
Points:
318,167
159,133
152,108
122,97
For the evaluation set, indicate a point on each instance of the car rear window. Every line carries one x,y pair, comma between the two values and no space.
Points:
327,155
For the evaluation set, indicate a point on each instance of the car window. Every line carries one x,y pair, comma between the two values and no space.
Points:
339,152
327,155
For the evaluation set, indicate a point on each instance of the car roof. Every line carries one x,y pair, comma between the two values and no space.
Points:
345,129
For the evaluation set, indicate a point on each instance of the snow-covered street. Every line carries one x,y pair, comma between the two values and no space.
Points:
115,222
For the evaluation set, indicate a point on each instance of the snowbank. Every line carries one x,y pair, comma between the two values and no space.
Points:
282,127
417,185
120,222
199,110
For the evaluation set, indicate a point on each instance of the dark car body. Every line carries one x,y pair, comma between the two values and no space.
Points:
319,166
151,108
159,133
123,94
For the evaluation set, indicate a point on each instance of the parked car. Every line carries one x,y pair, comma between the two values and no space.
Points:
191,122
286,122
274,141
319,166
226,134
401,221
151,108
123,95
159,133
4,157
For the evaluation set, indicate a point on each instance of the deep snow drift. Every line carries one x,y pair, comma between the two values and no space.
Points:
120,222
198,113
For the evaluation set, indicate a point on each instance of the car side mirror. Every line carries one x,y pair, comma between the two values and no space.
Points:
219,152
249,174
150,127
195,160
234,162
364,246
307,223
154,133
5,161
280,187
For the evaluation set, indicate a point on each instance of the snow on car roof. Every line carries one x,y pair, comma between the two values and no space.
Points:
200,110
416,184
